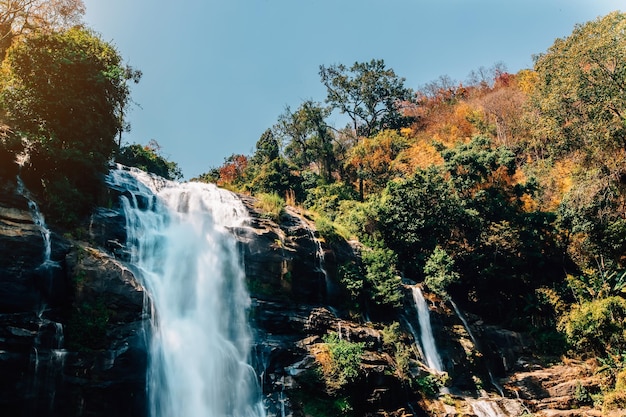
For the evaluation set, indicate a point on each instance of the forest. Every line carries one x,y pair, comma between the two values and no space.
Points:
506,192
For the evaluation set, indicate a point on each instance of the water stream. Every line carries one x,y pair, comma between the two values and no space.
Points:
427,339
492,378
188,261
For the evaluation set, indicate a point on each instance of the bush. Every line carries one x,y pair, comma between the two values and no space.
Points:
439,272
380,274
271,205
147,158
345,361
596,327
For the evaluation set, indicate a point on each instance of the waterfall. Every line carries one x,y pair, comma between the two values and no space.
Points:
429,348
188,261
461,316
40,222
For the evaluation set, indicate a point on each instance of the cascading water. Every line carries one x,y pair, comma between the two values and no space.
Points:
429,348
485,408
189,263
40,222
471,335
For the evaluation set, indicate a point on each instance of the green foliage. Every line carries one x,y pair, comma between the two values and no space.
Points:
439,272
580,89
360,219
148,158
271,205
345,357
351,279
596,327
67,89
393,341
327,229
66,92
416,215
86,328
428,385
383,283
370,94
308,138
276,176
326,198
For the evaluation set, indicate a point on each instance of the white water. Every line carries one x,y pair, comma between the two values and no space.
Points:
485,408
189,263
492,379
429,348
40,222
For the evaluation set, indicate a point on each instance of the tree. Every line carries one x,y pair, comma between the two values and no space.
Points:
581,92
64,92
20,17
418,214
580,101
308,138
148,158
373,158
370,94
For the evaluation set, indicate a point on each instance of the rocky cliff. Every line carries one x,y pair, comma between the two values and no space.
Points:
74,334
71,341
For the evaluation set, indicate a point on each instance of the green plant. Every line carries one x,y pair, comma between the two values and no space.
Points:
86,329
440,272
381,277
596,327
345,361
271,205
428,385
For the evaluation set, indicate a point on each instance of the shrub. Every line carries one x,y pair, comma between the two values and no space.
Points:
271,205
596,327
439,272
345,361
380,275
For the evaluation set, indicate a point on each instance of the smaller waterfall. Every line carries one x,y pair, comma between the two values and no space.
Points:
320,261
492,379
429,348
40,222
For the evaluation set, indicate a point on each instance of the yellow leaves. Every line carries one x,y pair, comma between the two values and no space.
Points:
421,154
527,81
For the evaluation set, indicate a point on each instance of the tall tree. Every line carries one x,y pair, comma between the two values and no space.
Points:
64,91
308,137
581,89
370,94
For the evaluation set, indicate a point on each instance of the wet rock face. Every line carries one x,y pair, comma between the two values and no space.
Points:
72,339
25,284
281,261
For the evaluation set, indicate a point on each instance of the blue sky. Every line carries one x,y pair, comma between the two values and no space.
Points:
217,73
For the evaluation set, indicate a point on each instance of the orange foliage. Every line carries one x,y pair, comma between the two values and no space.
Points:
421,154
233,169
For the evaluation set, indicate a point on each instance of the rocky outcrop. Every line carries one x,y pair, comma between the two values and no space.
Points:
72,339
282,261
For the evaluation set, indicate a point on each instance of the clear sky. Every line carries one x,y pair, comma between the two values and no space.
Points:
217,73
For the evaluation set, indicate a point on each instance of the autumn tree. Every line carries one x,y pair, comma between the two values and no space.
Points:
373,158
580,101
19,17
